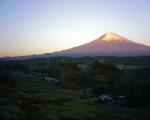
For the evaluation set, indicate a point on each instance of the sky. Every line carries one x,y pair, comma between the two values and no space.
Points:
43,26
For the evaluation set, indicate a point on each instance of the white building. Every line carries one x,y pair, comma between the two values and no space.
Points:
51,80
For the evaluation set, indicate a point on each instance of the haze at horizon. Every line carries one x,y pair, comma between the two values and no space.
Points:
45,26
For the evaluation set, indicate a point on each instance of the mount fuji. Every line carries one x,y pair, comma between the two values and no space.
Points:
109,44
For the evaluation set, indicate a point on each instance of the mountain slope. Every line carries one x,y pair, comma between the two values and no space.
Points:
109,44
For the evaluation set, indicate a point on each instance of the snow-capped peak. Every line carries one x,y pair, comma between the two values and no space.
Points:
110,36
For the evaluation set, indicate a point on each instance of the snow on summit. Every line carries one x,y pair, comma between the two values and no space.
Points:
111,36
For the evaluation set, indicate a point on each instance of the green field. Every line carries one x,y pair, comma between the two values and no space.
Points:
34,99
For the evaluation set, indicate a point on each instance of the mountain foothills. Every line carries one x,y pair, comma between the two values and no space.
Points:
109,44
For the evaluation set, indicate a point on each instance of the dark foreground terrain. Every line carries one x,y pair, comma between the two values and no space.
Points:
32,99
25,94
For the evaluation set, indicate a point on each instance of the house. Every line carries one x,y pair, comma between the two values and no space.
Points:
110,101
128,67
105,97
51,80
83,67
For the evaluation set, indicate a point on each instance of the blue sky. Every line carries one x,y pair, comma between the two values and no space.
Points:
44,26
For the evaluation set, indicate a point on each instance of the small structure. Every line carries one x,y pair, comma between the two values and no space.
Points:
51,80
105,97
83,67
110,101
128,67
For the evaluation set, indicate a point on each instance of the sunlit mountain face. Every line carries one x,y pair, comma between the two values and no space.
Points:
109,44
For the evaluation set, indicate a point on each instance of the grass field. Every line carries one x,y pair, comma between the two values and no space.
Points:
34,99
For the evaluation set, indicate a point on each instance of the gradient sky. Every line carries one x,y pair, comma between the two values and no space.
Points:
44,26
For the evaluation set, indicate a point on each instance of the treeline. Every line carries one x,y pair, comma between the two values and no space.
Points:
54,61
